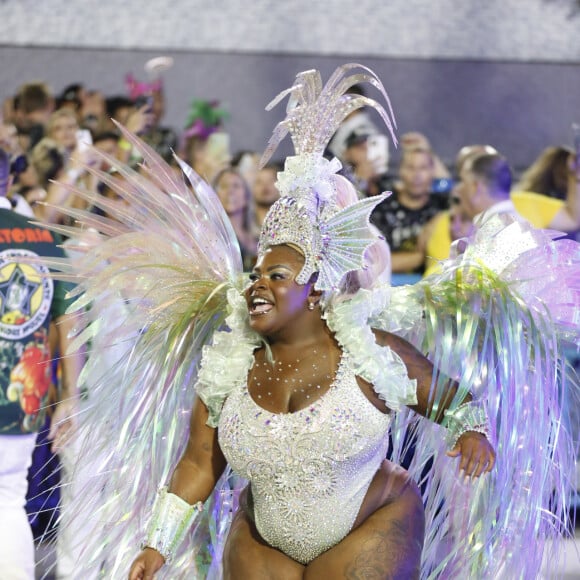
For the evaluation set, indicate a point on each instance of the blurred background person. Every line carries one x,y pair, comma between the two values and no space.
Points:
485,187
358,122
236,198
63,129
548,174
151,96
25,379
442,181
206,146
401,217
265,192
57,172
366,155
33,105
248,164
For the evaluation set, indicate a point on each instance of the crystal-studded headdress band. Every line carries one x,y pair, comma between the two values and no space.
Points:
332,239
332,242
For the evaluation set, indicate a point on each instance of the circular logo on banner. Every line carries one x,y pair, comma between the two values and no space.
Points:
25,294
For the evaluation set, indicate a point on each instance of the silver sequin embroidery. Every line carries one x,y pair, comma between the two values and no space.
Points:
310,470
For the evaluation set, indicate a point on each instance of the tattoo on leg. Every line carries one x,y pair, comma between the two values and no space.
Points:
387,554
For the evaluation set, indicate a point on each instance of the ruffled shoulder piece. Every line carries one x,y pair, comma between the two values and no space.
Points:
226,362
379,365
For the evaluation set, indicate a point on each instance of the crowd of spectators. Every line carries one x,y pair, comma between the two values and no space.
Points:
425,213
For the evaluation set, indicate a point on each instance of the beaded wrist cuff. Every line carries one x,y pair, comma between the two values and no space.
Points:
172,518
470,416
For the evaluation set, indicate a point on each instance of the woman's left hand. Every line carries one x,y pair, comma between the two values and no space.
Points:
477,454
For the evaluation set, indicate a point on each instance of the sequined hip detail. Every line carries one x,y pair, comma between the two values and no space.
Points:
310,470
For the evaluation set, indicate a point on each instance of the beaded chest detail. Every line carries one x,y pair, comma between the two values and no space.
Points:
310,469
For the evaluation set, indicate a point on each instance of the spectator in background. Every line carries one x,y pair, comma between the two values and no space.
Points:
367,154
118,108
358,122
206,146
57,171
236,198
92,115
31,300
449,226
162,139
62,128
88,106
402,217
478,175
48,160
23,191
441,175
460,225
485,186
548,174
468,151
33,105
265,192
9,110
71,98
26,192
248,164
540,210
107,142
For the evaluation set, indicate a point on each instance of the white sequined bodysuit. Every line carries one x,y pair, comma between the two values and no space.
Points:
309,470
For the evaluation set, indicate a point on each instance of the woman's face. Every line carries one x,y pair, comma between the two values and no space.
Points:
275,300
232,193
64,132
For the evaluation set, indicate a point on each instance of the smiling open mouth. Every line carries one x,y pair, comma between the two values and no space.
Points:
260,306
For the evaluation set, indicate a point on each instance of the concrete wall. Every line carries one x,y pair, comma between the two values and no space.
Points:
494,29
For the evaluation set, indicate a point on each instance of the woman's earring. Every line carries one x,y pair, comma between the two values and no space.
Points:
311,306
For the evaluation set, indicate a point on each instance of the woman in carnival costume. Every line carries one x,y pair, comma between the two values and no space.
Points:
301,372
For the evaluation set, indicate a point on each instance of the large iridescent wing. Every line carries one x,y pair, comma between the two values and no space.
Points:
348,236
152,278
495,318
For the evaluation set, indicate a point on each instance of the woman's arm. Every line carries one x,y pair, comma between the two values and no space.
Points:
477,454
421,369
202,463
193,480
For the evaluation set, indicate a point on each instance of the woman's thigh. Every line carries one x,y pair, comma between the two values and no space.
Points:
387,544
248,557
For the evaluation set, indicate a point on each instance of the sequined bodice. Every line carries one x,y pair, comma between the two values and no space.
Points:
310,469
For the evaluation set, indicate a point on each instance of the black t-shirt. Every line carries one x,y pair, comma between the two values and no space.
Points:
402,226
28,302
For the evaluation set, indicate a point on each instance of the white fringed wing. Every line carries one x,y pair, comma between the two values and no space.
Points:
494,319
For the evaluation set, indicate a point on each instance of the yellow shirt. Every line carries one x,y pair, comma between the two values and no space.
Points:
539,210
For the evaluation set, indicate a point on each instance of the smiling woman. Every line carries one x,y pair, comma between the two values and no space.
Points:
302,374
